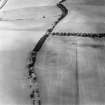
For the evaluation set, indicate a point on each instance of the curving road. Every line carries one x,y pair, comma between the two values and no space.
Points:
2,3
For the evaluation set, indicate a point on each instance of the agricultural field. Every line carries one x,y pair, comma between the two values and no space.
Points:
69,63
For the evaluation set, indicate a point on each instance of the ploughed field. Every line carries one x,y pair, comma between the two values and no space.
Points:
71,71
56,66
